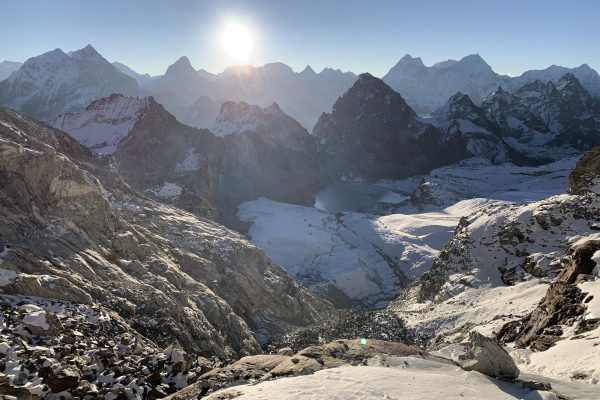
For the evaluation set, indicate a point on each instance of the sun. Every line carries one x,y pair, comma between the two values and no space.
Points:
237,41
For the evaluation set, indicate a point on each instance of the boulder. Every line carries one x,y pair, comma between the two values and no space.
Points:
64,379
286,351
42,323
488,357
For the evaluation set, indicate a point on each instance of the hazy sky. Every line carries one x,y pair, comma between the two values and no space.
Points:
512,36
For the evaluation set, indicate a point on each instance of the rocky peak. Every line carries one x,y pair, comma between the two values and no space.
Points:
408,60
370,128
88,53
308,71
570,88
271,122
182,68
475,59
274,109
370,97
461,101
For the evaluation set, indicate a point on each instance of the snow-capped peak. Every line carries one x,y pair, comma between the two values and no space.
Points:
271,124
237,117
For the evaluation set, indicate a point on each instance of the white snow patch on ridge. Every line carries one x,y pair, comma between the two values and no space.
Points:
167,191
104,123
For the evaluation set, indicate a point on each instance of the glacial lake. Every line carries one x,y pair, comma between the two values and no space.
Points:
354,196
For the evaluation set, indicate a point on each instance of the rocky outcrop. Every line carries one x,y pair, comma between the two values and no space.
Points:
306,361
94,353
585,176
488,357
531,125
562,305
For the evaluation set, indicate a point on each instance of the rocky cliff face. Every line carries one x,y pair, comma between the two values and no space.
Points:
67,236
373,133
585,176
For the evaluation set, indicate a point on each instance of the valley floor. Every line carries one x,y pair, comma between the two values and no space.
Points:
366,257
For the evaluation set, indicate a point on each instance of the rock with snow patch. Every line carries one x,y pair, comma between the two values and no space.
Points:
488,357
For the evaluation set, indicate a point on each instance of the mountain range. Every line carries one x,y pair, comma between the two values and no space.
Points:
51,84
141,256
428,88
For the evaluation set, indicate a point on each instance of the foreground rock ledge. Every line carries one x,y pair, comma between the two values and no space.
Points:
313,358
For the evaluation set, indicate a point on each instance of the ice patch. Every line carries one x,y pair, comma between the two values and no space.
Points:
168,191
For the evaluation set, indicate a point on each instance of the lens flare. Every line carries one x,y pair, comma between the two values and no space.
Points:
237,41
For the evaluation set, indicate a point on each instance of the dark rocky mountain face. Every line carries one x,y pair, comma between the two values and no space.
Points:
55,82
565,114
71,229
160,151
268,154
373,133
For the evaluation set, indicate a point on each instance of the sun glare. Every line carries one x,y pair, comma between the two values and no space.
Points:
237,41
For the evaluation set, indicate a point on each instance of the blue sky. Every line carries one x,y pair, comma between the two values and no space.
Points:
512,36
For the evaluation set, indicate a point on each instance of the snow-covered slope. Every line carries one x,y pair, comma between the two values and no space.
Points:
409,378
476,177
55,82
104,123
272,124
7,68
506,268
